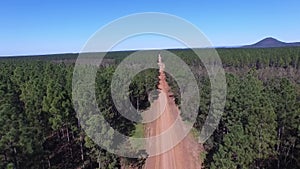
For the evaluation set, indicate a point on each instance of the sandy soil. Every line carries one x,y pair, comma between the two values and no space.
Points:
185,154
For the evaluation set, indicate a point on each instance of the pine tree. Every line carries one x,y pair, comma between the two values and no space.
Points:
251,126
18,139
282,95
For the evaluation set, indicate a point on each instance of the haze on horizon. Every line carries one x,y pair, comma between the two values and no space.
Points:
34,27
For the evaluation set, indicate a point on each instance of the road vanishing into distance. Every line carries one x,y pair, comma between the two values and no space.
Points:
185,154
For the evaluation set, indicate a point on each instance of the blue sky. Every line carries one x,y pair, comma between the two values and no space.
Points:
60,26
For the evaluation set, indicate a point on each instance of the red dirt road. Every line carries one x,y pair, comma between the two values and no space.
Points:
185,154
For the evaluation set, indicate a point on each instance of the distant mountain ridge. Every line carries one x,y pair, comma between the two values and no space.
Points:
271,43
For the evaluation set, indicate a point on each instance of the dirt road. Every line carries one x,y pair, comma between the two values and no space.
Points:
185,155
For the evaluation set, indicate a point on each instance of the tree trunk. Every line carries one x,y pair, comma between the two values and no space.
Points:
49,163
16,162
99,162
278,147
137,104
5,157
71,150
91,163
68,135
69,145
81,148
63,132
58,134
72,134
43,164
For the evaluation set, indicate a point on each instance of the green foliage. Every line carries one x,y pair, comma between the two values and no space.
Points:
259,129
18,141
283,97
250,127
139,131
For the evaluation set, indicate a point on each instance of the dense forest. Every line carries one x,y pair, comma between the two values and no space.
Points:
259,129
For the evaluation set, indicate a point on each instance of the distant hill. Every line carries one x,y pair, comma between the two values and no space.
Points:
271,43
